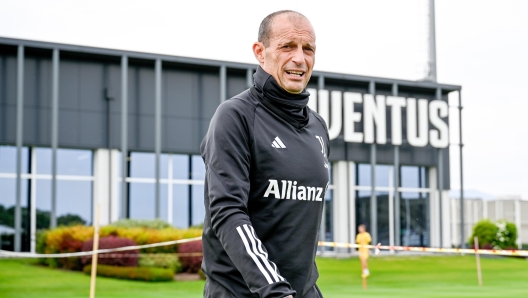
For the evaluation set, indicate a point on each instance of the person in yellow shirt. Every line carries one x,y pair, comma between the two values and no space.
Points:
363,238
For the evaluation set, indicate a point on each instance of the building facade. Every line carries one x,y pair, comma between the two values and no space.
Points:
82,127
511,208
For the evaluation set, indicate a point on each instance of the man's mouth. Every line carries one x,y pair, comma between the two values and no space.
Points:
295,73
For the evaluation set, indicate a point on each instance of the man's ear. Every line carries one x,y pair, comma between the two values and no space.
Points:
258,51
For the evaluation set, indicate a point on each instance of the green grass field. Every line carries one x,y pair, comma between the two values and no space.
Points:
430,276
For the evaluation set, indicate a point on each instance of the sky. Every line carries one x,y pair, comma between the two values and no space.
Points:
482,45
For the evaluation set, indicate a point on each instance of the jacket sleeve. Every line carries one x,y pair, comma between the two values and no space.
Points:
227,156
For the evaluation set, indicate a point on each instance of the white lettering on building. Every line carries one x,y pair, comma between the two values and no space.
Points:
425,120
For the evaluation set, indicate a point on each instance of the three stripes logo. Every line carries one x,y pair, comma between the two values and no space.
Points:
277,143
258,255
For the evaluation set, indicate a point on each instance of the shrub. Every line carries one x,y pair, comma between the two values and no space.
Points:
156,224
118,258
133,273
499,235
63,240
160,260
485,231
506,235
193,263
147,236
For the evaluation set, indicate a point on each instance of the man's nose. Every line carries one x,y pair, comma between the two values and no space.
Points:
298,56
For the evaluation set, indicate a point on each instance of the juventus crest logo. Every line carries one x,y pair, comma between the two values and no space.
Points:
321,141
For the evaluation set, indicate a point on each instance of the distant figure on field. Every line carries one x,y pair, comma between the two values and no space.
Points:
363,238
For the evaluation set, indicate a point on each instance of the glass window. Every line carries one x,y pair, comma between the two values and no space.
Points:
198,168
142,200
7,211
413,177
164,202
363,174
382,175
43,156
164,166
180,206
414,219
74,202
8,159
74,162
142,165
43,192
180,166
198,207
363,216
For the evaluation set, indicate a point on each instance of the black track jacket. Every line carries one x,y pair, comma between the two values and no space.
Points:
266,179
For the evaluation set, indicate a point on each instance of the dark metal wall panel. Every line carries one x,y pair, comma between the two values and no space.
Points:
190,99
210,99
8,97
141,104
235,85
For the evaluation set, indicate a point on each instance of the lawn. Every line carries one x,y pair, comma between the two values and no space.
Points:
431,276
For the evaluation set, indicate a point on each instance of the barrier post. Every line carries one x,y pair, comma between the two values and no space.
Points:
477,256
94,256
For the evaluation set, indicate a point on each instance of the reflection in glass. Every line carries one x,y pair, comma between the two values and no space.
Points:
363,214
413,177
198,168
43,156
180,206
164,202
141,204
74,162
7,212
43,192
74,202
198,207
142,165
8,159
414,219
363,174
180,166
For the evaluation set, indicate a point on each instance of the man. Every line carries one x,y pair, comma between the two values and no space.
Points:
363,238
266,160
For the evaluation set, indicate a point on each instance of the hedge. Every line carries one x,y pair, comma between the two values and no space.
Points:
133,273
127,258
161,260
156,224
193,263
70,239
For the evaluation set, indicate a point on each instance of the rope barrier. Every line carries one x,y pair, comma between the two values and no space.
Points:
5,253
377,248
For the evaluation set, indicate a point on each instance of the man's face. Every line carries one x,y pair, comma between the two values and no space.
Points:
290,55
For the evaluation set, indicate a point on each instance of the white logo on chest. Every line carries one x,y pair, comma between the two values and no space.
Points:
323,149
291,191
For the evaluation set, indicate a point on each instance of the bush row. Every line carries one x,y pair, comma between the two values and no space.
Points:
71,239
134,273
